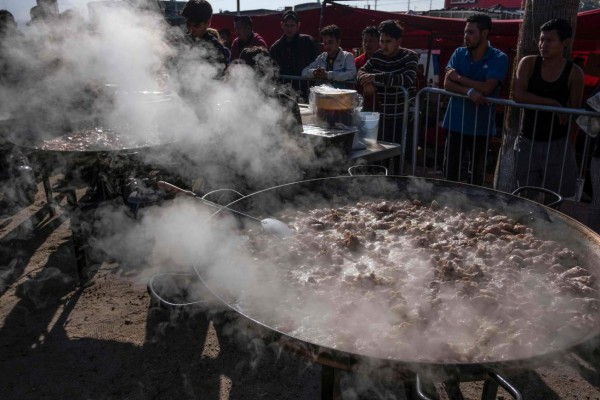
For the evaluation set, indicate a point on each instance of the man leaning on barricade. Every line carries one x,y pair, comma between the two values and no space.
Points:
477,71
334,64
544,152
370,44
390,67
591,126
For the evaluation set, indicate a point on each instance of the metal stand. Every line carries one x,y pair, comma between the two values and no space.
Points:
77,237
330,389
416,388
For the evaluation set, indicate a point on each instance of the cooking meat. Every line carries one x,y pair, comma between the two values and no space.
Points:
415,280
94,139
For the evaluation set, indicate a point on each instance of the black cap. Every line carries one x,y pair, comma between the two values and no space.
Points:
290,14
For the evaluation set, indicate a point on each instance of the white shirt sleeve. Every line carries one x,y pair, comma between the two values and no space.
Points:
308,71
345,70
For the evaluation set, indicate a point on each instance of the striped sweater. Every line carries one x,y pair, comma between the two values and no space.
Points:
400,70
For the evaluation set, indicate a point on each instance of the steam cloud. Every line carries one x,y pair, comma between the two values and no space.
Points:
126,69
263,288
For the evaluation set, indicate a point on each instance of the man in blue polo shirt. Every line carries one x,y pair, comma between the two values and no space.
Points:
476,71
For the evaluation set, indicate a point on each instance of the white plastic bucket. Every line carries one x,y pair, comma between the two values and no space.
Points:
368,125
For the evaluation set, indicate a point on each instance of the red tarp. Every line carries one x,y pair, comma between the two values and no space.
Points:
446,33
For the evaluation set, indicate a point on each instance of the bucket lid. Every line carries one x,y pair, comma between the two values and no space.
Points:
368,115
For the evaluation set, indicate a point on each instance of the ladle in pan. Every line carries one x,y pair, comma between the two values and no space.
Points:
269,225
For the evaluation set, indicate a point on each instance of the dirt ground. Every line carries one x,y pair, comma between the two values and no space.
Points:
108,340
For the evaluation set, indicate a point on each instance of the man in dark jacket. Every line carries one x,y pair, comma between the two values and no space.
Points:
198,15
293,51
246,37
258,58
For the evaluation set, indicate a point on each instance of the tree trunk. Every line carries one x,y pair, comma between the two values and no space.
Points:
536,14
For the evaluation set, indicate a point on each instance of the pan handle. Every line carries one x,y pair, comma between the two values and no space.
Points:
490,387
420,392
352,171
221,190
170,187
554,204
506,385
155,295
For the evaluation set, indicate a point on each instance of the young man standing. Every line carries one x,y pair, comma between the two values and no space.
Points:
334,64
198,15
476,71
293,51
390,66
246,37
370,44
545,156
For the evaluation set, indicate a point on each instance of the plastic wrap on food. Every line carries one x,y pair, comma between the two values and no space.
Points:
334,107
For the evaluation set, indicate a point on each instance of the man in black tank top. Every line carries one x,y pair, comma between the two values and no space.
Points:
545,156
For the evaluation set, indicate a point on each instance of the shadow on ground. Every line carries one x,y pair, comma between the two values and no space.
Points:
174,362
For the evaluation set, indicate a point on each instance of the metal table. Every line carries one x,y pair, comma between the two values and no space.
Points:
381,151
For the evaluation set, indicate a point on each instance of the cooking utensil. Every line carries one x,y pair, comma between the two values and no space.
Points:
269,225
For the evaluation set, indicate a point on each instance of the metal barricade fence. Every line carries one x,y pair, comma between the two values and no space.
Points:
392,102
431,142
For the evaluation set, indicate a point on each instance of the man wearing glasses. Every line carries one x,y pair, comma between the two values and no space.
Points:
334,64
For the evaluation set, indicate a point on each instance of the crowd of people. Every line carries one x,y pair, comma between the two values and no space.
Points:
544,151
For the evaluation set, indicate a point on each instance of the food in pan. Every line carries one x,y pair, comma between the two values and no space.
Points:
91,139
423,282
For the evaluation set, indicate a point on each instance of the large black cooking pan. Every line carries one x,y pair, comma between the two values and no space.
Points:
34,142
88,160
338,191
30,134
